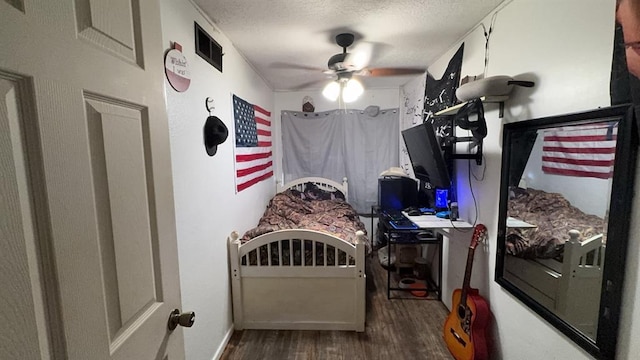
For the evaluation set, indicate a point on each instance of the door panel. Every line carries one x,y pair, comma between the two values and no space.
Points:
118,138
18,269
103,167
112,25
18,4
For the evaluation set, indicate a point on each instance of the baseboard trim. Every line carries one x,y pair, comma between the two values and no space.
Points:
223,344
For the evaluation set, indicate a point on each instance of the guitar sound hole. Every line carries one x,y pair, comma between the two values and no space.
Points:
462,311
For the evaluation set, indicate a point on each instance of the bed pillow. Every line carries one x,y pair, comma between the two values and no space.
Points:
312,191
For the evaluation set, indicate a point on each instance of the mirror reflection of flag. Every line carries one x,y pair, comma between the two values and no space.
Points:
253,154
583,151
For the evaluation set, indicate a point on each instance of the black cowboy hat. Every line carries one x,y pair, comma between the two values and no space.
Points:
215,133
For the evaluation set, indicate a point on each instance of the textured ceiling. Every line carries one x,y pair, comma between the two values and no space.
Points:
404,33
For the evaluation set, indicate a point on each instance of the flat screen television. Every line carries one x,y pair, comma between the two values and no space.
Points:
426,155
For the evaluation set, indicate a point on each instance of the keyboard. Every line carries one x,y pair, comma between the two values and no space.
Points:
394,215
404,224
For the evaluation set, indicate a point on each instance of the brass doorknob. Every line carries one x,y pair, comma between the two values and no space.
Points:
185,319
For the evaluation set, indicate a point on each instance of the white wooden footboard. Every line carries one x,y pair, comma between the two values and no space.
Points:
298,279
570,289
585,259
579,288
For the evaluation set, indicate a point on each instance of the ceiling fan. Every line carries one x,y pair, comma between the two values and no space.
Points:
346,64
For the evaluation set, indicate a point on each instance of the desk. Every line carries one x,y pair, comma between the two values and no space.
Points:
427,224
517,223
435,223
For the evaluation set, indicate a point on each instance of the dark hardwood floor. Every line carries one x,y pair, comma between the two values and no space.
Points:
395,329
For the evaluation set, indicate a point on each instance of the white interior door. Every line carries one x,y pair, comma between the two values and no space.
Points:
88,255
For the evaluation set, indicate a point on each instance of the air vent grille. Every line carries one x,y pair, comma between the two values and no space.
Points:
207,48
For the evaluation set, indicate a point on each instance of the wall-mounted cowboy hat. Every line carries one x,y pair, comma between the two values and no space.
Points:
215,133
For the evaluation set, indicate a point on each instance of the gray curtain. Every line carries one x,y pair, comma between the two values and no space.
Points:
357,144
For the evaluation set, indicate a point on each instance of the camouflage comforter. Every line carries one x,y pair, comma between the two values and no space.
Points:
311,209
554,217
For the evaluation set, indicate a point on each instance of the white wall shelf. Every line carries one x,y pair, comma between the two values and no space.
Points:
485,99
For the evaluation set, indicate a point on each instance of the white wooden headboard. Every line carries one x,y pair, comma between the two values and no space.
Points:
322,183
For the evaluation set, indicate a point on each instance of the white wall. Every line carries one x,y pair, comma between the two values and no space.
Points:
207,207
412,107
569,57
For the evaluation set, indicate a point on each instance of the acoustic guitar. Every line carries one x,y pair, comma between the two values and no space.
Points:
465,330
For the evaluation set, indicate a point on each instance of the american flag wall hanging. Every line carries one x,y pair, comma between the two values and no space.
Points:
253,154
582,151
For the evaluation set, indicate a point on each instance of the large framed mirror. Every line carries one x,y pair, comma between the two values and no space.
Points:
565,195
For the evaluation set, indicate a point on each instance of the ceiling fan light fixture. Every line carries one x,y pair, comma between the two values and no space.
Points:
331,91
352,91
360,58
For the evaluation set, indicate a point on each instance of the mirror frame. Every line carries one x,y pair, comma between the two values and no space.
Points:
604,346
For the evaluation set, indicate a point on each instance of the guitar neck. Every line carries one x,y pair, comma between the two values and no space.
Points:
467,275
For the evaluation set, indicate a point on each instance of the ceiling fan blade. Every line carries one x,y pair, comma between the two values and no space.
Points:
376,72
308,84
288,66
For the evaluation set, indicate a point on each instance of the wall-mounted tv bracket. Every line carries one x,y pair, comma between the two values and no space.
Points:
452,140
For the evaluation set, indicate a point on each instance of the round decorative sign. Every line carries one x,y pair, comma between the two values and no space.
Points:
176,69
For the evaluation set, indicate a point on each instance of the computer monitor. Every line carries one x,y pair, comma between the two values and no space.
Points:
397,193
426,155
